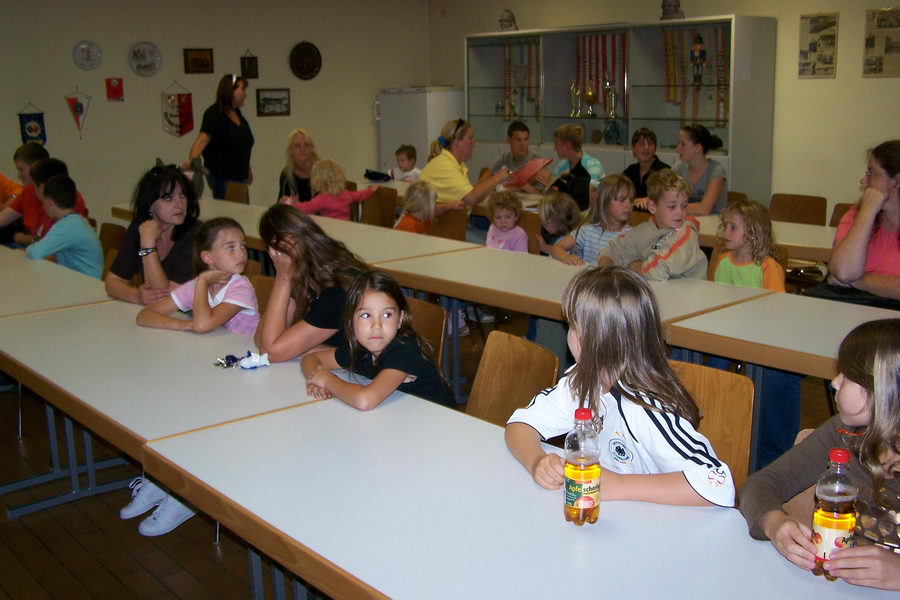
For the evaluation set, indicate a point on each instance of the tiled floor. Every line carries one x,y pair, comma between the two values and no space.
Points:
83,549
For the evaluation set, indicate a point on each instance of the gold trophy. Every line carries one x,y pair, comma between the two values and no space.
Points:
590,98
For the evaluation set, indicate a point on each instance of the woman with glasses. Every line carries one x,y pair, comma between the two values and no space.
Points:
293,183
225,139
446,169
158,243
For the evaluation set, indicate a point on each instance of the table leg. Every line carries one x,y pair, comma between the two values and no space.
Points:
298,590
277,582
256,577
755,373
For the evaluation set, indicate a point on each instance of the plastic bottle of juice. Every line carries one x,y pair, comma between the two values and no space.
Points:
582,483
835,517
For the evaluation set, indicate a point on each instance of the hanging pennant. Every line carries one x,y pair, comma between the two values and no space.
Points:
31,124
115,89
249,66
177,110
78,106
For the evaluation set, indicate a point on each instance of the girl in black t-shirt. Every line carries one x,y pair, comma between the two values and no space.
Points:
382,346
312,275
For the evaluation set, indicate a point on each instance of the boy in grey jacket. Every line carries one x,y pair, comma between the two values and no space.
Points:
666,246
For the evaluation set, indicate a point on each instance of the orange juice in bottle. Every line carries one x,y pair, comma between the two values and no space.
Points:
582,472
834,519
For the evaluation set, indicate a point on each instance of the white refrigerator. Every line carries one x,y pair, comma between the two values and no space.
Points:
413,116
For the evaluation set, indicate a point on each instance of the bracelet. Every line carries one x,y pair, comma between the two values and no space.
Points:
145,252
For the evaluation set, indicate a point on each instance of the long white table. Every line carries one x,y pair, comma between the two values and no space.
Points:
806,242
40,285
412,500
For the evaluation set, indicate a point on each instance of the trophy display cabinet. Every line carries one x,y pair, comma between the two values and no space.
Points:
614,79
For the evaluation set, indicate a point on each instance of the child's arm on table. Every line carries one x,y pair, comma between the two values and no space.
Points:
560,251
157,316
203,317
790,537
868,566
661,488
317,370
547,469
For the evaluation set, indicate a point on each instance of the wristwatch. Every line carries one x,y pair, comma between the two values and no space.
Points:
145,251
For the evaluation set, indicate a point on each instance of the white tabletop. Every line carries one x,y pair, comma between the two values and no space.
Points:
130,384
419,501
535,284
787,331
806,242
40,285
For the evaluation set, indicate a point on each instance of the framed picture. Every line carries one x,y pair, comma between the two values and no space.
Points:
249,67
881,51
818,46
198,60
273,102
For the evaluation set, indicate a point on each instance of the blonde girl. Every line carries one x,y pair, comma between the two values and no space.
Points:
381,345
867,394
650,449
219,294
607,219
751,258
332,198
559,215
421,208
300,155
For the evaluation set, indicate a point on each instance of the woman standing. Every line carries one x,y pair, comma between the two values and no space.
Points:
159,240
225,139
706,176
312,275
293,183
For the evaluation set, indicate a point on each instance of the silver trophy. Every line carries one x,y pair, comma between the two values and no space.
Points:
575,99
609,91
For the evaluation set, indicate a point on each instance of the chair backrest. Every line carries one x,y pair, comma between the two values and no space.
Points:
93,222
732,196
718,250
430,321
638,217
840,209
262,285
725,401
111,236
237,192
253,268
531,223
798,208
512,370
380,208
451,225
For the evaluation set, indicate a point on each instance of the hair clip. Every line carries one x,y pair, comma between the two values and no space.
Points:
442,141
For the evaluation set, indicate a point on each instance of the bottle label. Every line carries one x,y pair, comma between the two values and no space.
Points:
828,539
583,493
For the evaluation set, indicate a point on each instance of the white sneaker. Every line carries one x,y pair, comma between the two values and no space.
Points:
144,496
170,514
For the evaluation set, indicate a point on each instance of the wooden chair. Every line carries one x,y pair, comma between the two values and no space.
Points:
638,217
798,208
380,208
430,321
733,196
718,250
111,236
726,404
262,285
840,209
237,192
531,223
451,225
512,370
93,223
253,268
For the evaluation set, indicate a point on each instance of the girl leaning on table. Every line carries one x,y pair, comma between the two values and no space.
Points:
219,294
650,449
867,394
382,346
159,241
312,275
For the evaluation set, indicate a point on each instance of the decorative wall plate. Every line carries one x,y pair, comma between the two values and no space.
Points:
306,60
87,55
144,58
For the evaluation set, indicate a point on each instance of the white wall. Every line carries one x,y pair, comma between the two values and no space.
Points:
822,127
364,47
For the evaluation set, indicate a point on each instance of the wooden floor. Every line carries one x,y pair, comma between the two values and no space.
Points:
83,550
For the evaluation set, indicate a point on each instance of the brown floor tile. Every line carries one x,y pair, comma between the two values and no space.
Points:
184,585
143,585
158,563
99,582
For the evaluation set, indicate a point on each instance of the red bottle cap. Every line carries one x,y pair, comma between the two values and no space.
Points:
839,455
585,414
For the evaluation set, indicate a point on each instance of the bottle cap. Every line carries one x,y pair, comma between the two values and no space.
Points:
585,414
838,455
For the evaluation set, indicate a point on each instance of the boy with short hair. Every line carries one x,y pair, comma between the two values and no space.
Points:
668,245
72,239
24,157
577,173
406,165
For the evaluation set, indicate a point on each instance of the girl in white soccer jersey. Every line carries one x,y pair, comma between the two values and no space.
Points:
649,446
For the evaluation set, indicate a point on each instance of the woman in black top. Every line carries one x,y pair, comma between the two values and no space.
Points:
312,275
159,242
225,139
643,147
